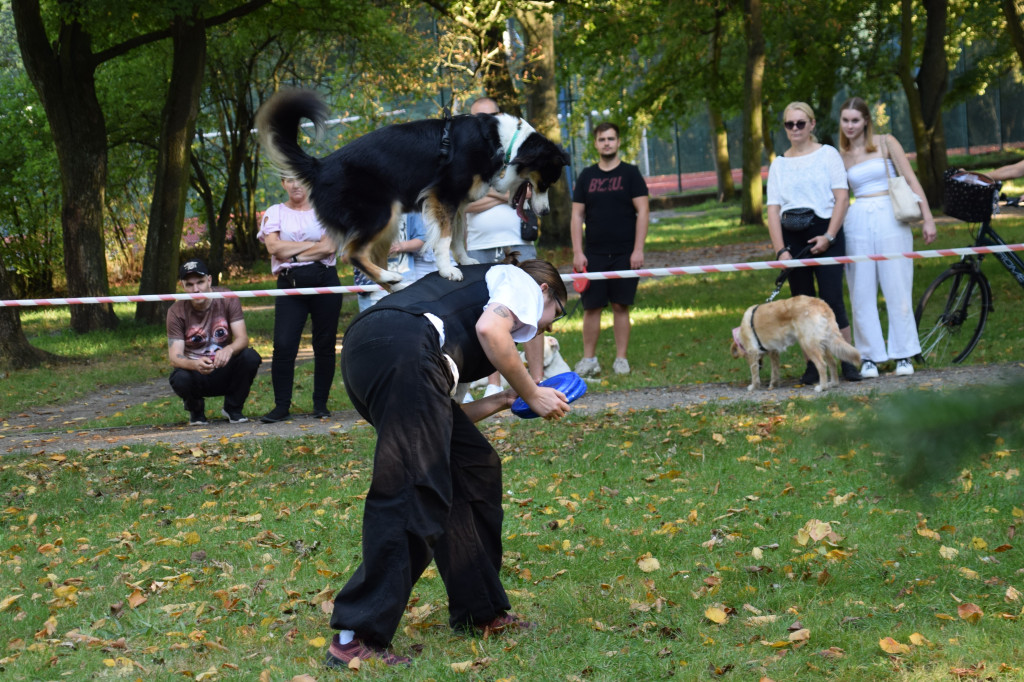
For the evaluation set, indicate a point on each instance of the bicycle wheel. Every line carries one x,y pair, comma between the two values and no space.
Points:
951,315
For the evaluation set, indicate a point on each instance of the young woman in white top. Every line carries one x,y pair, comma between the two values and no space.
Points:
871,228
810,176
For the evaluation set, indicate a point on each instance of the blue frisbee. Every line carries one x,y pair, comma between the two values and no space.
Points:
569,383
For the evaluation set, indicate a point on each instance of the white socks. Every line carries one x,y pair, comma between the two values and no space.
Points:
346,636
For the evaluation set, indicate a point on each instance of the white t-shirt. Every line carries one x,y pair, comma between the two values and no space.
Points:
495,227
292,226
807,181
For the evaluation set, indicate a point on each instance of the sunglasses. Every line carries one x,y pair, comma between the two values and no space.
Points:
795,125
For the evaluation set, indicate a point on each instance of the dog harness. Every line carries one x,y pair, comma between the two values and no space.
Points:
753,331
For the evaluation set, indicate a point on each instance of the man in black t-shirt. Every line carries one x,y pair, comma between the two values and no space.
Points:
610,198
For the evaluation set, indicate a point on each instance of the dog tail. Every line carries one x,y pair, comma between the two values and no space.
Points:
278,124
839,348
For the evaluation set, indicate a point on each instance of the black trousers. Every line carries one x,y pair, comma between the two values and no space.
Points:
829,277
290,315
232,381
436,488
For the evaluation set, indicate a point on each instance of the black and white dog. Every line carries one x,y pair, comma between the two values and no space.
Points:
437,166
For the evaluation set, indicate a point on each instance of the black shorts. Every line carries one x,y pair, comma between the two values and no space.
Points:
601,292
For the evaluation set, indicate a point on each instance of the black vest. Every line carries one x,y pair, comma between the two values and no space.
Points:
458,305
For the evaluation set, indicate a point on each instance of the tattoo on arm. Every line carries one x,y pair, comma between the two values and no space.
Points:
502,311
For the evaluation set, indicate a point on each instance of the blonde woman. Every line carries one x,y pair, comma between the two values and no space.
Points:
872,228
807,202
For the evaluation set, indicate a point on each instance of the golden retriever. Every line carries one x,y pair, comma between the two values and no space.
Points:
773,327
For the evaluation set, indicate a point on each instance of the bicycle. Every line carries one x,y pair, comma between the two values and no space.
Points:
952,313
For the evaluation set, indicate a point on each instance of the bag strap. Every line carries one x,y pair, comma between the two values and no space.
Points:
887,157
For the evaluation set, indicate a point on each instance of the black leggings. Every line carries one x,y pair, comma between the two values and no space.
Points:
829,277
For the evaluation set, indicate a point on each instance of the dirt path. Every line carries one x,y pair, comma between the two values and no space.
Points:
20,432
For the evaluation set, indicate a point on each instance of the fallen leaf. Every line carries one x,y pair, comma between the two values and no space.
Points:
648,564
7,601
801,635
948,553
716,615
1012,594
891,646
972,613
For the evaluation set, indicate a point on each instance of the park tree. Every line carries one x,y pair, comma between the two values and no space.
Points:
365,63
506,50
62,48
1013,10
752,201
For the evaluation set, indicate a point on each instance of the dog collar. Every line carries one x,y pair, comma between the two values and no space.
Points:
512,143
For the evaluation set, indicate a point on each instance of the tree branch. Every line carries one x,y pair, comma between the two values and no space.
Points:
138,41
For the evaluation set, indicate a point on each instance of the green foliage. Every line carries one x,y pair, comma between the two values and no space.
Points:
30,232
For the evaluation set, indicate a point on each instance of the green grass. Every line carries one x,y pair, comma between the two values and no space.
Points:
214,562
680,334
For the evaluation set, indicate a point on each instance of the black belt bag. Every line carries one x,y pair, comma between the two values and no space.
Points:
798,219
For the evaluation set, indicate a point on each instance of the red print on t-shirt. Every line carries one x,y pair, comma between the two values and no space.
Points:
606,184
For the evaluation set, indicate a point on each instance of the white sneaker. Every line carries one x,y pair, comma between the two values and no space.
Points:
588,367
621,366
492,389
869,370
904,368
468,398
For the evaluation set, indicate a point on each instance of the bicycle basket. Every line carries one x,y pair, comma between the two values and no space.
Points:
969,196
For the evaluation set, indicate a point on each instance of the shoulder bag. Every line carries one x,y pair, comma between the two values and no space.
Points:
906,205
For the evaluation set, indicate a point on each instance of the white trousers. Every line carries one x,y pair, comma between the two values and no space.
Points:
871,228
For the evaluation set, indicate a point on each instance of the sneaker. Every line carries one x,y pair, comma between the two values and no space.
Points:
869,370
810,377
492,389
278,414
503,623
321,412
904,368
588,367
621,366
850,372
468,398
196,412
340,655
234,417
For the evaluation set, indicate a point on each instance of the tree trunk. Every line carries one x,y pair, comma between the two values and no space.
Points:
497,79
167,213
925,93
542,110
64,78
753,145
1012,9
15,350
719,135
720,149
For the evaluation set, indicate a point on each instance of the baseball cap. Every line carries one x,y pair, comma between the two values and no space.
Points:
193,266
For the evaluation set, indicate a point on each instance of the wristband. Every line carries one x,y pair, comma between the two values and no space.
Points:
829,237
784,249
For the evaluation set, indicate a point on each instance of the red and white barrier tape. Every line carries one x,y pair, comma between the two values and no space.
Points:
611,274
